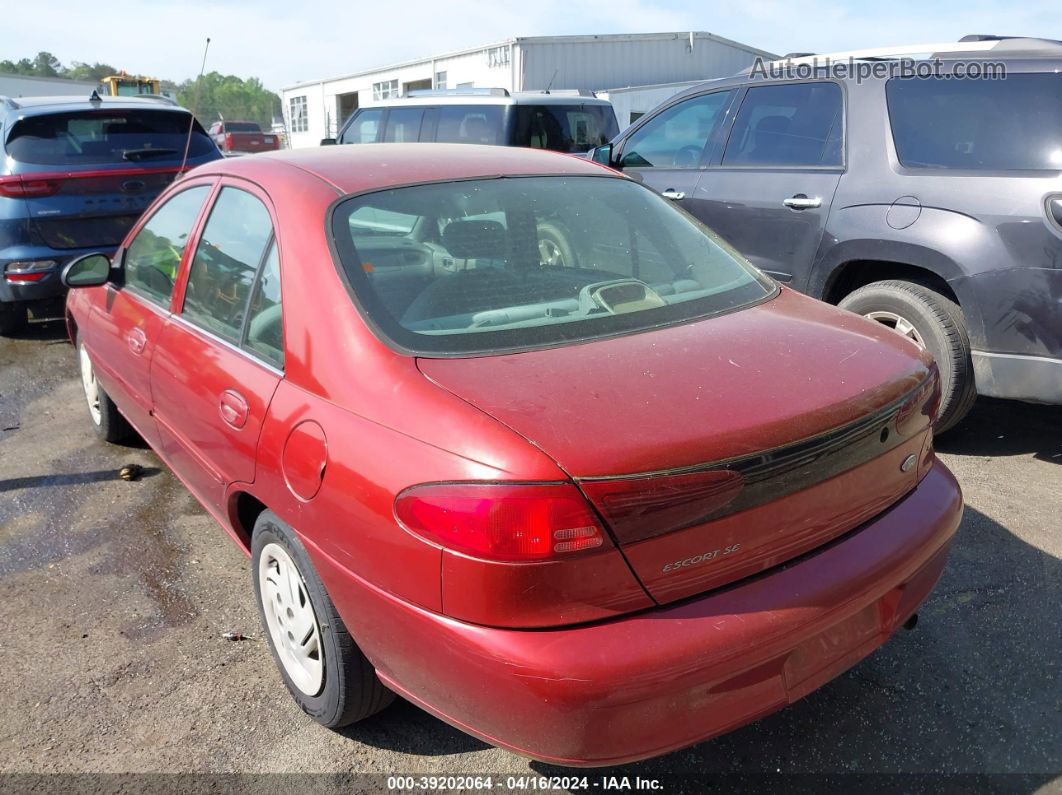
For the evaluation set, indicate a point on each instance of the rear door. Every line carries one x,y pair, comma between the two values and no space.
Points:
770,190
101,168
221,354
669,151
127,320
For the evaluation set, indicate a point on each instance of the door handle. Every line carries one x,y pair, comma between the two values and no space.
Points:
136,339
802,202
233,408
674,195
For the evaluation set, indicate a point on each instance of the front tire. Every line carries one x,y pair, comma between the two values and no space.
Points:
324,670
107,421
933,322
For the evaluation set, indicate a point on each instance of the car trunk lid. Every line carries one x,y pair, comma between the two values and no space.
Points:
719,448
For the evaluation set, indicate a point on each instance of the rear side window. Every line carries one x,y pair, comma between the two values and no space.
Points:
795,125
978,124
152,259
232,247
265,334
365,129
676,138
106,137
470,124
565,128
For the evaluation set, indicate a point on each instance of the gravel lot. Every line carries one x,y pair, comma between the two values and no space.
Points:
114,595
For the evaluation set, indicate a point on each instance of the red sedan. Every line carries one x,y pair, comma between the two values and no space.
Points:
508,434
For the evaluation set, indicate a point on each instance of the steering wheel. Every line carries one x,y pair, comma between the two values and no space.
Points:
687,157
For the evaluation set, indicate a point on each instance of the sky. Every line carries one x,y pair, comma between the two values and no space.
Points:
284,42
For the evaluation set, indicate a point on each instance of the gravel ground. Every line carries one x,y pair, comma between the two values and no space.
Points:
114,595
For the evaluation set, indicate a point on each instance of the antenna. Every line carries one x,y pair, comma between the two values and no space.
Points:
195,106
549,85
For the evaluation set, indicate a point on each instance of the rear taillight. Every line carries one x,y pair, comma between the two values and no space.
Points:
502,521
228,140
639,508
28,270
921,408
24,188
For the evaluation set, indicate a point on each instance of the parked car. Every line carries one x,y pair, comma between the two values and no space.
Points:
571,122
242,137
76,173
932,205
633,501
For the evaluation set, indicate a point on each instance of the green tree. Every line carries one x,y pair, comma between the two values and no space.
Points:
83,71
229,97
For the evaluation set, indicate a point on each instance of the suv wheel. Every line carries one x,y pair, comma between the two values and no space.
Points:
322,666
932,322
12,317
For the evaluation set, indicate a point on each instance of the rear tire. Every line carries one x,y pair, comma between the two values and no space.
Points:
107,421
932,321
554,248
12,317
323,668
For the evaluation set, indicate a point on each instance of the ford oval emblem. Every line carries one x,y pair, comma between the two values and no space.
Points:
908,463
133,185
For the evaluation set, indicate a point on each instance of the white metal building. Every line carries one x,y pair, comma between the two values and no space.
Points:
28,86
317,109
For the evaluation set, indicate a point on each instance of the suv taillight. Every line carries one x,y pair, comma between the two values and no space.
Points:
502,521
27,188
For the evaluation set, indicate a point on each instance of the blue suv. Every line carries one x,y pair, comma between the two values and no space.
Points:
75,174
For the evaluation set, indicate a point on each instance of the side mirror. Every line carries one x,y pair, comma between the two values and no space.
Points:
602,154
328,142
88,270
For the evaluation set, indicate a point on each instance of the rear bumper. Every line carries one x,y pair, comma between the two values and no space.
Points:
666,678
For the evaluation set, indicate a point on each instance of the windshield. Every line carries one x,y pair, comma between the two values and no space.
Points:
496,264
565,128
96,137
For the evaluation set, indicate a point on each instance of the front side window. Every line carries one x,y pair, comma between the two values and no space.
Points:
154,255
386,89
678,136
403,125
565,128
300,118
496,264
106,137
795,125
226,260
470,124
981,125
365,128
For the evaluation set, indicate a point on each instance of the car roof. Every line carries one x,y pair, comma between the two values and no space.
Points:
369,167
26,106
518,98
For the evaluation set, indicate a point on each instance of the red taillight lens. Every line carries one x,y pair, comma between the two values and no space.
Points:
502,521
638,508
21,188
228,140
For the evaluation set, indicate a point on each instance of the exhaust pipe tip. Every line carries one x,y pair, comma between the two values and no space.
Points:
911,623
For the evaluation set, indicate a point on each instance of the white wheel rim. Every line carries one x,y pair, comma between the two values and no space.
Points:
291,619
899,324
88,381
550,253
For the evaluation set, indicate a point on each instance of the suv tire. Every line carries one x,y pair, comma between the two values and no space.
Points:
936,323
342,688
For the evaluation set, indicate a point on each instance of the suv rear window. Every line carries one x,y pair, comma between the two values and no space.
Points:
487,265
97,137
978,124
564,128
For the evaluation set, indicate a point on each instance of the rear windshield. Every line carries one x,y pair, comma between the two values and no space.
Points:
487,265
105,137
978,124
565,128
242,126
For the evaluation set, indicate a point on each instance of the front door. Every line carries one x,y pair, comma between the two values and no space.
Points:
130,316
221,354
769,192
668,151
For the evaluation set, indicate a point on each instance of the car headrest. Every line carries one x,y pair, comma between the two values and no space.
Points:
475,239
772,124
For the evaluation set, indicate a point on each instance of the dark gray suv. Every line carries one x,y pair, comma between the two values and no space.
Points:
930,203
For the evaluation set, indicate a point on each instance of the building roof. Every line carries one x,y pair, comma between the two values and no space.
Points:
582,39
